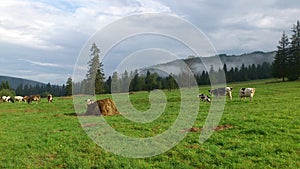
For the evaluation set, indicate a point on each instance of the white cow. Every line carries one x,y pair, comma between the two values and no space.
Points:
19,98
247,92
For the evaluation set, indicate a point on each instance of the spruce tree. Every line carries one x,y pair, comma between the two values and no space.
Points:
95,75
280,64
294,55
69,87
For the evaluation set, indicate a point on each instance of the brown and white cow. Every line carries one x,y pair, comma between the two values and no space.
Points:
25,98
247,92
50,98
223,91
34,98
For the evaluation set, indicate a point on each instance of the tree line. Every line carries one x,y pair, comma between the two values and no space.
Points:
95,82
287,59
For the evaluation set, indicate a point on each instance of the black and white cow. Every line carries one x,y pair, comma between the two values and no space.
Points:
247,92
204,97
7,99
223,91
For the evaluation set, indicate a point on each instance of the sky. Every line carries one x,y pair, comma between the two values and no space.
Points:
41,39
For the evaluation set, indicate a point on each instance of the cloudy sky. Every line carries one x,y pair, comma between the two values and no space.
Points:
42,39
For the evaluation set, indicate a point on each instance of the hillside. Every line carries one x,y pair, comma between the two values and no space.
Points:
14,81
230,60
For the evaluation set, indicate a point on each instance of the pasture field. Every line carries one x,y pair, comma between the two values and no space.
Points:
265,133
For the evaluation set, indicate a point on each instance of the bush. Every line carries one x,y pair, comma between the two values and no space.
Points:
7,92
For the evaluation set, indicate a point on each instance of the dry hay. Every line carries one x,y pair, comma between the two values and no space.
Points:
105,107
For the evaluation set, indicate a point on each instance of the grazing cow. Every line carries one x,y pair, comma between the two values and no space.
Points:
19,98
247,92
25,98
7,99
223,91
34,98
50,98
204,97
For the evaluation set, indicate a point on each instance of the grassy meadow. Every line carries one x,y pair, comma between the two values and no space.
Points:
264,133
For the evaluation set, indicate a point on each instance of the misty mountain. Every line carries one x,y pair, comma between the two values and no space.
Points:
197,65
14,82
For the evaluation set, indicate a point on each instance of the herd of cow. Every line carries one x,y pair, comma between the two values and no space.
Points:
224,91
28,99
227,91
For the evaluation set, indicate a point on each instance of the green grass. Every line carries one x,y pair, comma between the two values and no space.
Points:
265,133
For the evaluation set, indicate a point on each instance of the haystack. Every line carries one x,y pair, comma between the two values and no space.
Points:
105,107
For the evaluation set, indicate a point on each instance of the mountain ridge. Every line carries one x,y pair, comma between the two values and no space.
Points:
231,61
15,81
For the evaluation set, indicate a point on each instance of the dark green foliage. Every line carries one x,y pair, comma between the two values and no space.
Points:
294,54
55,90
280,64
7,92
287,59
4,85
94,82
69,87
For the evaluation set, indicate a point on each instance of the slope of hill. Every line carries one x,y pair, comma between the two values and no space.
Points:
14,81
230,61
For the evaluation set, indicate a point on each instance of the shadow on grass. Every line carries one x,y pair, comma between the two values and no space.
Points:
70,114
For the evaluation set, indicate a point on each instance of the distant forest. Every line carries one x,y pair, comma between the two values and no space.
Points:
136,82
150,81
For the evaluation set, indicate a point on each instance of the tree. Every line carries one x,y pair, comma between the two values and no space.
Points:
294,56
95,75
171,82
280,64
108,85
115,84
4,85
125,82
150,81
69,86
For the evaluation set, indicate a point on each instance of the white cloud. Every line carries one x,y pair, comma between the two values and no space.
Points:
42,63
51,33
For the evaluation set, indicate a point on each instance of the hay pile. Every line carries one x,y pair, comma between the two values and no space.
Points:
105,107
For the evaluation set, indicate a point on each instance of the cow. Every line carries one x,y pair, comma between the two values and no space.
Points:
7,99
25,98
50,98
223,91
203,97
34,98
19,98
247,92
